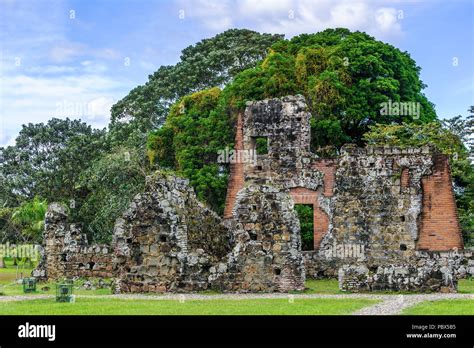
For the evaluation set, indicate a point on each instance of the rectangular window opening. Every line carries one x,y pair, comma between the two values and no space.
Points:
260,145
306,216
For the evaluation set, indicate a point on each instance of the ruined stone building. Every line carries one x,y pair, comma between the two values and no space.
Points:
383,217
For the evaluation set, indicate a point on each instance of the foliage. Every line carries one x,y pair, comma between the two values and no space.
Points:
46,160
306,217
189,141
447,142
29,219
209,63
345,76
8,231
111,182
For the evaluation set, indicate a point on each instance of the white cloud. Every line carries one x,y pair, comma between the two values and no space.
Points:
387,19
293,17
91,67
254,8
51,69
27,99
216,15
99,107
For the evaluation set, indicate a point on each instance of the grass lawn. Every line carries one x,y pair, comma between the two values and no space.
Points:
322,286
466,286
93,306
9,273
331,286
442,307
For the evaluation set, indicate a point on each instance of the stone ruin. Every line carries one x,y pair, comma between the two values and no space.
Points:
384,219
66,252
167,240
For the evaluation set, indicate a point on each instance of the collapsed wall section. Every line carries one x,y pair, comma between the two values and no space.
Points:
267,244
167,240
66,252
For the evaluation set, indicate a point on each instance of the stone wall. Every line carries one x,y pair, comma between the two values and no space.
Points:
267,243
423,271
66,252
383,198
167,240
372,206
377,211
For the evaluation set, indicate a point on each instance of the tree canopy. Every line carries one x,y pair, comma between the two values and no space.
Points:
46,160
209,63
345,77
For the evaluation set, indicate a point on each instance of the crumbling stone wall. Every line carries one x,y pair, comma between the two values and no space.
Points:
379,196
384,198
66,252
167,240
372,206
423,271
267,243
376,211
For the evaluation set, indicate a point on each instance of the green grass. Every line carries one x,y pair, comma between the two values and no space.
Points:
322,286
15,289
94,306
466,286
10,272
442,307
331,286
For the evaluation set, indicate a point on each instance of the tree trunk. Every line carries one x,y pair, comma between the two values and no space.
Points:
2,263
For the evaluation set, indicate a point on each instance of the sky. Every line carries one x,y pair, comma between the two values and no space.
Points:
75,59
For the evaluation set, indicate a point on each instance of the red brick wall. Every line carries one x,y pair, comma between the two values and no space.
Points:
321,221
236,179
328,167
439,227
405,178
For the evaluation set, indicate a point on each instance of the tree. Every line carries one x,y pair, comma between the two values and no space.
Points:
306,218
46,160
29,219
345,77
197,127
110,183
209,63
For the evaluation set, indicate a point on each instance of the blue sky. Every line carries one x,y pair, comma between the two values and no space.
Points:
76,58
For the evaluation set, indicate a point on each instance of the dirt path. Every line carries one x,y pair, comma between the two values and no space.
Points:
397,303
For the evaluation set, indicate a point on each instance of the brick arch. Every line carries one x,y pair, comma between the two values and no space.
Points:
302,195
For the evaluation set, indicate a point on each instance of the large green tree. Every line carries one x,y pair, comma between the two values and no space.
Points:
209,63
345,77
46,160
197,127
